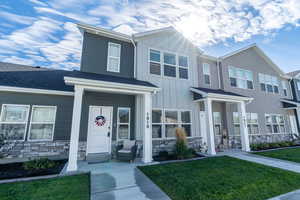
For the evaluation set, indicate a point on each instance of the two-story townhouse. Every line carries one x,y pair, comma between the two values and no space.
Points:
247,72
294,104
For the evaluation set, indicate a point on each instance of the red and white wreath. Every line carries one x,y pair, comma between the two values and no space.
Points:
100,120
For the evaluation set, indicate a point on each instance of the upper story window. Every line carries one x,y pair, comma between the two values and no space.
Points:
268,83
284,88
206,73
175,66
240,78
113,57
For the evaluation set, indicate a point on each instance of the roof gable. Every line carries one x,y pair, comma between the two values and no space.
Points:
260,52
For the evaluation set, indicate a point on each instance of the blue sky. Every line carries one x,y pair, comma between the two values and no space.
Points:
44,33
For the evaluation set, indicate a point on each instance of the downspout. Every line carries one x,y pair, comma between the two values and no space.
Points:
134,59
219,75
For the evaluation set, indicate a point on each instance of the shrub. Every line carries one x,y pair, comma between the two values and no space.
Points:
163,154
181,149
38,164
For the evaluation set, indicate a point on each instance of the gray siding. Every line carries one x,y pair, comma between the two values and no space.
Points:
94,56
105,99
175,93
63,114
263,102
214,77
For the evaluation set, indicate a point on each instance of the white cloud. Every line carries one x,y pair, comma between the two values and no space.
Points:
16,18
37,2
18,60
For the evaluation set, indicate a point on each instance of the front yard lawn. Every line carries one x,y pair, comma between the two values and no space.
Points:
63,188
221,178
292,154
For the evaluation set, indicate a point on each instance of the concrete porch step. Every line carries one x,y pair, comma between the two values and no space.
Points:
98,157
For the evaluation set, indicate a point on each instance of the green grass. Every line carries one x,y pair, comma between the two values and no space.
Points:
292,154
62,188
221,178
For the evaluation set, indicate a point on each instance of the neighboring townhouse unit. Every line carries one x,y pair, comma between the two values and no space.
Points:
247,72
142,87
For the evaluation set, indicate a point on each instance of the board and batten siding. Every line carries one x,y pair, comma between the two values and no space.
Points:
175,93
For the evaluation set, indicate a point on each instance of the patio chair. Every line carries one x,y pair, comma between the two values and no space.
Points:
127,150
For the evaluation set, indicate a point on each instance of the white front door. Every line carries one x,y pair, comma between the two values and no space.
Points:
293,124
99,129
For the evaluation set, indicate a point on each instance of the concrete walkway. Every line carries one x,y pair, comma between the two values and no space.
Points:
120,180
282,164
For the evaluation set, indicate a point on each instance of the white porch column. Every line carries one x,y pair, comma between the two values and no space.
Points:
210,127
243,126
147,126
74,140
298,119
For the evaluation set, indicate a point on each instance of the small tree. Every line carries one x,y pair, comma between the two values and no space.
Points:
181,148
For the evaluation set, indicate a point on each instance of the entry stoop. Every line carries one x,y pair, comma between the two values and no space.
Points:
97,157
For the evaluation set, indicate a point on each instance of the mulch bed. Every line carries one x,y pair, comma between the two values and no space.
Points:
16,170
173,157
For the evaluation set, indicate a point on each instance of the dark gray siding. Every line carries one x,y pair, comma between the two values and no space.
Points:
63,114
105,99
94,56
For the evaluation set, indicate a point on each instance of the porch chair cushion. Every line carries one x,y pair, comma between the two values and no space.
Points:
128,144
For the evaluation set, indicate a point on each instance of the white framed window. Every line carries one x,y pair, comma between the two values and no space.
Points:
298,85
164,122
284,87
217,122
168,64
123,123
268,83
42,123
275,123
13,121
113,57
236,123
252,122
183,64
206,73
155,62
240,78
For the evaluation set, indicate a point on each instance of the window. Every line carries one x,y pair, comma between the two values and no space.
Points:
236,123
169,65
298,85
252,122
13,121
123,123
157,123
183,67
175,66
165,123
206,73
42,123
217,122
275,123
113,57
268,83
240,78
155,66
284,87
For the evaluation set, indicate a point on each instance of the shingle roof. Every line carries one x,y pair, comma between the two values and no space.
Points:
293,73
217,91
50,79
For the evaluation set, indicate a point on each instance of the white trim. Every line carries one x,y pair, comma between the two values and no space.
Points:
109,86
109,56
54,122
128,124
291,102
220,97
35,91
104,32
25,122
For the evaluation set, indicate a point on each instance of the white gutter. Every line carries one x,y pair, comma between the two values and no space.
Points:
135,57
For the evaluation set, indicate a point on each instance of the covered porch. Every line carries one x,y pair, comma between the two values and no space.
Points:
293,107
100,130
212,131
